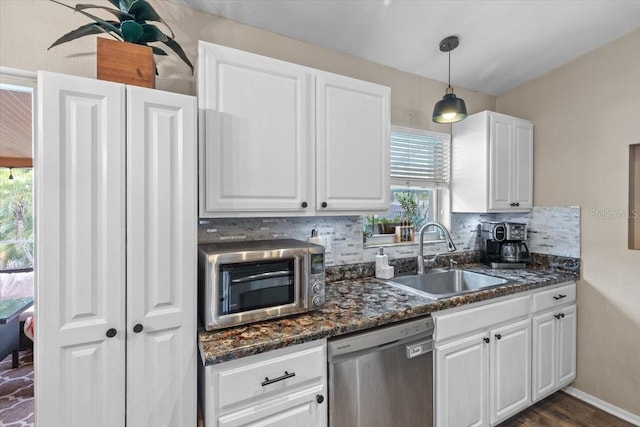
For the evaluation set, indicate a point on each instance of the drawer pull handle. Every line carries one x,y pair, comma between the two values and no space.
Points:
557,297
286,375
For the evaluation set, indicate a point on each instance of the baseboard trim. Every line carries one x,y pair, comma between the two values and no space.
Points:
605,406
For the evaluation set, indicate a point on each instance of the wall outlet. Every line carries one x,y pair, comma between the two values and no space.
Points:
326,242
326,236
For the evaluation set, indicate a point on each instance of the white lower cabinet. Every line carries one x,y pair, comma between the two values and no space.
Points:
510,370
554,350
461,382
493,360
284,387
483,373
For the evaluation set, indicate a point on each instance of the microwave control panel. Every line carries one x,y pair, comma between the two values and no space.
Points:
317,280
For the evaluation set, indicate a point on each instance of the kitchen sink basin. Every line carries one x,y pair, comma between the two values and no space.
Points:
446,283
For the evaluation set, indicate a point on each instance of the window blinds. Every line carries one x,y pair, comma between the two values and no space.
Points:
419,157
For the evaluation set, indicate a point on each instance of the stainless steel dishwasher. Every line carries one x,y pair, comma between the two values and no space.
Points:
383,377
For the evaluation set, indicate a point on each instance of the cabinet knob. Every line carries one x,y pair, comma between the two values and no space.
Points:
319,398
512,204
486,339
498,336
138,328
304,204
324,204
517,203
558,316
562,315
111,332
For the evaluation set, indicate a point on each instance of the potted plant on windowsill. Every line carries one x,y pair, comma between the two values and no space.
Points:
129,57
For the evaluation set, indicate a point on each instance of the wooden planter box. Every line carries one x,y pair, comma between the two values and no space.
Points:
127,63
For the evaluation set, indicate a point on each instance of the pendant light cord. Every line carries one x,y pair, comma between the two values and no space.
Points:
449,67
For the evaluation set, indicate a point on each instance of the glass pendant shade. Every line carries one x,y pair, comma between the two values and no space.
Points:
449,109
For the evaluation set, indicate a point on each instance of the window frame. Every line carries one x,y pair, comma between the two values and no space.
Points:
442,189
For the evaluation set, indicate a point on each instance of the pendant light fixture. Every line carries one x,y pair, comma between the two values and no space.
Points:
449,109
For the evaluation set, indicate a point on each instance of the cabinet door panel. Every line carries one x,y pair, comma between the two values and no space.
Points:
257,137
295,409
567,346
544,356
352,144
500,163
80,263
523,164
461,383
161,258
510,389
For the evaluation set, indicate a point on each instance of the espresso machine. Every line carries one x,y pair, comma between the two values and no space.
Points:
505,244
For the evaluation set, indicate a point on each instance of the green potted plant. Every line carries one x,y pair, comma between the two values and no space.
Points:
131,25
411,209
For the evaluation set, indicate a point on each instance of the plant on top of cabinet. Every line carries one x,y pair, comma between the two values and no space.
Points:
492,164
131,26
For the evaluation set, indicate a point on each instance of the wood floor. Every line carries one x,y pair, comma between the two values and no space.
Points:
563,410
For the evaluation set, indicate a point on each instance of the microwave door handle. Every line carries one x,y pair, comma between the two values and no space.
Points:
267,275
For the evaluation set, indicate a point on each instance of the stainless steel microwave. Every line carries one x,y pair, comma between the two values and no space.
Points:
244,282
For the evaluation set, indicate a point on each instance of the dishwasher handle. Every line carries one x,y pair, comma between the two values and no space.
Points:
419,348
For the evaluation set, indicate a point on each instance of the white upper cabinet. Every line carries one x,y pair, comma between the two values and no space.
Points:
492,164
278,138
257,133
352,144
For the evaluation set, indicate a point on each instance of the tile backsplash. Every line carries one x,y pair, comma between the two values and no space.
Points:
552,231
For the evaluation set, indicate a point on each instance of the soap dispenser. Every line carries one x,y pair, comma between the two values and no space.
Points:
383,269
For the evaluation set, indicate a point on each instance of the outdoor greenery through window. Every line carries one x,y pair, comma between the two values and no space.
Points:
16,219
419,181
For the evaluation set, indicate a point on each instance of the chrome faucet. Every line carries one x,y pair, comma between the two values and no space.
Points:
432,261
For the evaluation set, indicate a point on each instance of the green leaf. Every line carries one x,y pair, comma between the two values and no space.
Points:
152,34
123,5
102,23
173,45
122,16
84,30
143,11
131,31
158,51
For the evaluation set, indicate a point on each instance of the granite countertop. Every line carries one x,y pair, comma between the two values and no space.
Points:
355,305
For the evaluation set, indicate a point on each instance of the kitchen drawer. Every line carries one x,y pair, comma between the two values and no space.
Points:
482,317
554,297
254,378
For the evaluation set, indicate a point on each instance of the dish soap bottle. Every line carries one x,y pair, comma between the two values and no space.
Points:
383,269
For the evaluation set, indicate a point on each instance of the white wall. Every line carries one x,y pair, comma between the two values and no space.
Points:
412,97
585,115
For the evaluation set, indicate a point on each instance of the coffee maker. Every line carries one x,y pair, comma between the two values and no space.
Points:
504,244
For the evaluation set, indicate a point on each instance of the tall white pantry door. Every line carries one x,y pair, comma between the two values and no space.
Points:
115,246
161,259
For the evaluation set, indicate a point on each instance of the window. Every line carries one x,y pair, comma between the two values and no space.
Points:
16,219
419,179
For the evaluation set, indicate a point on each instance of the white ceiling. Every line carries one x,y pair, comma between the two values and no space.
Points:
502,43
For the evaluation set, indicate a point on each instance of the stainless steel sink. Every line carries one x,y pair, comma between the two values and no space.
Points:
446,283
